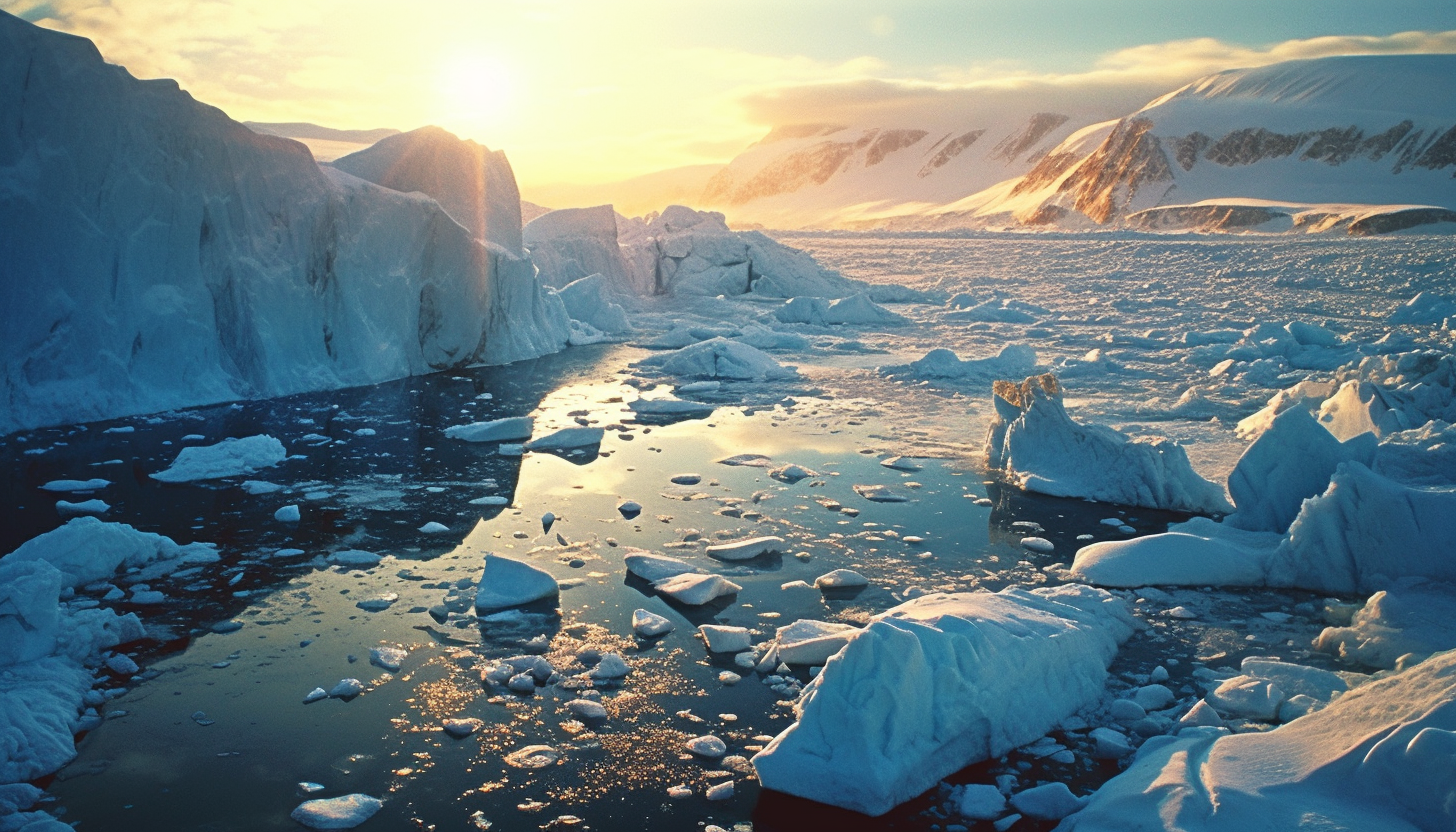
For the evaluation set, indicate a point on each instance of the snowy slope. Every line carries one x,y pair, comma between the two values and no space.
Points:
473,183
1353,133
157,254
846,176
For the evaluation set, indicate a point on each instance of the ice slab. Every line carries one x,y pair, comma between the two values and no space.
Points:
510,429
228,458
507,583
344,812
695,589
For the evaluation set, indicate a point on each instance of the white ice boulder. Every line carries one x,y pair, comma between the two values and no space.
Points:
720,358
650,624
344,812
1197,553
1400,625
1359,407
940,682
88,550
228,458
746,549
510,583
694,589
510,429
355,558
811,642
841,579
803,310
1248,697
1038,447
1049,801
1379,757
859,309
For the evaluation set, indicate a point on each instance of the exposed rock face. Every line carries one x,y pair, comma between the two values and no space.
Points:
157,254
1129,161
1018,143
949,150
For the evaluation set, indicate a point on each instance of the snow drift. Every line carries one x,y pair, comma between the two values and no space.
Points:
159,255
941,682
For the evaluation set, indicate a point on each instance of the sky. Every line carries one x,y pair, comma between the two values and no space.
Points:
598,90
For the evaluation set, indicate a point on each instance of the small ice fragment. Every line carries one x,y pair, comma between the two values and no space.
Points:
650,624
1180,612
533,756
745,549
686,479
707,746
611,666
792,473
900,463
1159,674
498,430
490,500
287,514
979,801
461,727
389,658
315,695
1153,697
695,589
656,567
841,579
679,792
629,508
1126,710
507,583
66,508
122,665
356,558
587,709
433,527
522,683
346,688
379,604
722,639
309,788
880,494
1050,801
546,520
76,485
728,677
721,791
1037,544
344,812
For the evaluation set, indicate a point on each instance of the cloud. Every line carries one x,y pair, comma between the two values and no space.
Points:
1116,83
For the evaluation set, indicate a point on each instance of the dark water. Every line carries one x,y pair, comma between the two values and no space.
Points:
154,764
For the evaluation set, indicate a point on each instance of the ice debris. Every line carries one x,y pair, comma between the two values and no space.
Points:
228,458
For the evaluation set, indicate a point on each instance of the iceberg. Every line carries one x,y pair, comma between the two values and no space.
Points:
1379,757
1037,447
720,358
1400,625
507,583
941,682
588,300
87,550
572,243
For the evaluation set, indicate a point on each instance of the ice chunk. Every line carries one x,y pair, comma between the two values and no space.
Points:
354,558
590,300
1411,619
723,639
1196,553
791,473
900,463
880,494
671,407
695,589
1378,757
1153,697
389,658
611,666
345,688
1013,360
587,709
720,358
497,430
859,309
707,746
978,801
459,728
807,641
1424,308
76,485
567,439
1247,696
803,310
746,549
88,550
651,567
1039,448
841,579
629,508
940,682
287,514
509,583
1109,744
720,791
229,458
344,812
66,508
1037,544
315,695
1050,801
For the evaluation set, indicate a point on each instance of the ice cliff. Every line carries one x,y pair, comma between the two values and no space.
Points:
158,254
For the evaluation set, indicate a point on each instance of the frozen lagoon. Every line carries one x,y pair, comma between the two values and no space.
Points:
372,492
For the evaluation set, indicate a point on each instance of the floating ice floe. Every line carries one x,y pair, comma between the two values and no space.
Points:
461,727
346,688
880,494
389,658
746,549
707,746
724,639
228,458
76,485
650,567
940,363
720,358
287,514
900,463
507,583
344,812
811,642
1425,308
695,589
1037,446
87,550
841,579
938,683
66,508
611,666
587,709
663,408
354,558
791,473
1378,757
1397,627
497,430
567,439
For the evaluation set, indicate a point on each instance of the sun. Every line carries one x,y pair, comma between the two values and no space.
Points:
476,91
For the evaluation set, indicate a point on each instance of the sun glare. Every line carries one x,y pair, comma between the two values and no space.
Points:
476,91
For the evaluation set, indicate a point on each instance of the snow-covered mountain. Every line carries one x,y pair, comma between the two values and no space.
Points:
1357,143
157,254
473,183
844,176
